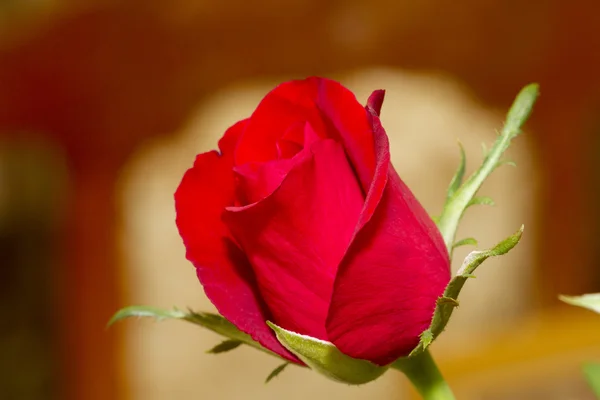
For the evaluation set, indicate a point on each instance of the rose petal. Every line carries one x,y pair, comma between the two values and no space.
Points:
394,271
332,111
382,151
375,102
296,237
223,270
289,104
256,181
341,110
292,141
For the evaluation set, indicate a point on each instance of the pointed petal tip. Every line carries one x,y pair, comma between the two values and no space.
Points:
375,101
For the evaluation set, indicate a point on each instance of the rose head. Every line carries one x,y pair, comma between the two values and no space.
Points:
301,220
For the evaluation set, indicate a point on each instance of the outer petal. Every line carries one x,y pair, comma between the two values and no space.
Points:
332,111
341,110
396,268
297,236
375,102
223,270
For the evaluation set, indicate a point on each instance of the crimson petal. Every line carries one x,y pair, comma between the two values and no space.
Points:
340,109
332,111
296,237
223,270
397,266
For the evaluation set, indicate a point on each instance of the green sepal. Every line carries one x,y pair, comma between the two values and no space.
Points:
449,300
590,301
457,179
591,372
224,346
325,358
276,372
213,322
465,242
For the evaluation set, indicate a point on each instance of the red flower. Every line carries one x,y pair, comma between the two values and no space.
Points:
302,220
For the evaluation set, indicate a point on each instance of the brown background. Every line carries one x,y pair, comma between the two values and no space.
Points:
95,82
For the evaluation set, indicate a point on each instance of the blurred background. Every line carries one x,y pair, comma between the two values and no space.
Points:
103,105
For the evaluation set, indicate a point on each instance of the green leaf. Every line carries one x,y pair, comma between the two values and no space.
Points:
326,359
225,346
276,372
481,200
145,311
592,375
589,301
465,242
213,322
446,304
457,179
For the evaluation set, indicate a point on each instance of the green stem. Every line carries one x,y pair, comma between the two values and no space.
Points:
448,222
459,201
425,376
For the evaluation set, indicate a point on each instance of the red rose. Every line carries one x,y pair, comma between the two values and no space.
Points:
302,220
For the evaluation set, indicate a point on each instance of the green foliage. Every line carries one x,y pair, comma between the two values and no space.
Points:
422,372
457,179
213,322
276,372
224,346
462,195
481,200
590,301
592,375
446,304
325,358
465,242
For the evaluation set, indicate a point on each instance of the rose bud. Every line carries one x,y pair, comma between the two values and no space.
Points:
301,220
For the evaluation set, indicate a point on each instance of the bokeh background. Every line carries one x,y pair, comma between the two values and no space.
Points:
103,105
